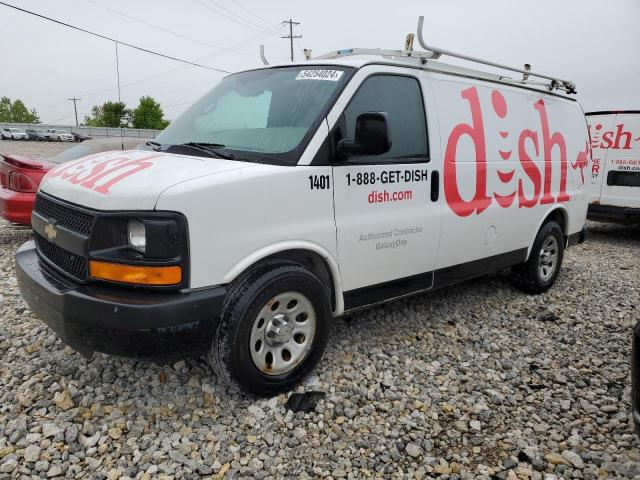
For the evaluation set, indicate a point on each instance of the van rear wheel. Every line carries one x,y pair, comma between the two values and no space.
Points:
540,271
273,329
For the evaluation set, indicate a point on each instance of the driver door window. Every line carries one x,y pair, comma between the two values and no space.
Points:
401,98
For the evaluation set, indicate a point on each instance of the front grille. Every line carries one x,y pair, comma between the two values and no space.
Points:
72,219
68,262
64,216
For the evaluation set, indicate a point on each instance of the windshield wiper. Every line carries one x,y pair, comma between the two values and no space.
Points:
156,145
213,148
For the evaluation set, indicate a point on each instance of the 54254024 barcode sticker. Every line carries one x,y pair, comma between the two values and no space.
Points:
330,75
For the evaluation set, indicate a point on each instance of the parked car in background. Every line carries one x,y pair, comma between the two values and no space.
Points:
36,134
13,134
20,176
615,174
55,135
79,137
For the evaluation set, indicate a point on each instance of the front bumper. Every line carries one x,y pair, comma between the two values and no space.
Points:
635,377
121,321
16,206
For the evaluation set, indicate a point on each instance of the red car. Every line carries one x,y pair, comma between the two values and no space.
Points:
20,176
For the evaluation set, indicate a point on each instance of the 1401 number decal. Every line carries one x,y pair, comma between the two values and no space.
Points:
319,182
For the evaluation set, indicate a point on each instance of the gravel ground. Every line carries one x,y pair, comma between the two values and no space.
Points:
34,149
474,381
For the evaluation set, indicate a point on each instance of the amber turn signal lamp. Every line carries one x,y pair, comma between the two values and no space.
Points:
138,274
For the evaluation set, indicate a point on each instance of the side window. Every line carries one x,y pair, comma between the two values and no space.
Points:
401,98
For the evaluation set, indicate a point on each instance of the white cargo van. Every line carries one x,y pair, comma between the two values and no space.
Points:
615,174
291,194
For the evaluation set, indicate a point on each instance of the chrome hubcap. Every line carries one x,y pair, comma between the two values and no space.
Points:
282,333
548,260
278,331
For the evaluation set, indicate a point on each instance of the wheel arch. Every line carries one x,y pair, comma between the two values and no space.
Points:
558,213
313,256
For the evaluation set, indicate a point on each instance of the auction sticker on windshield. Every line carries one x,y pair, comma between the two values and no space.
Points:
331,75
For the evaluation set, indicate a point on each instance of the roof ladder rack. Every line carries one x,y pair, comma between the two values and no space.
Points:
391,54
555,83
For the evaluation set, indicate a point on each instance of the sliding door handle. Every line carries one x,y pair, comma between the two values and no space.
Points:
435,186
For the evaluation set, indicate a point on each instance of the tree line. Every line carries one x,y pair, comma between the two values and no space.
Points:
16,112
148,114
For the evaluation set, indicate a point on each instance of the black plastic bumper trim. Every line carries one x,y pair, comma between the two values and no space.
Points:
611,213
121,321
443,277
577,238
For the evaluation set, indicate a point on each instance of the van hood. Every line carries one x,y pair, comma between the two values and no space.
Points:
129,180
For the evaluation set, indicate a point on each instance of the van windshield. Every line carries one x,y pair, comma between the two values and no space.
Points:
261,115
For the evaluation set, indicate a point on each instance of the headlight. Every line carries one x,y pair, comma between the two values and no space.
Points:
137,235
144,248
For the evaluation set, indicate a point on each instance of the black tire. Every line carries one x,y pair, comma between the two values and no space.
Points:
527,276
230,353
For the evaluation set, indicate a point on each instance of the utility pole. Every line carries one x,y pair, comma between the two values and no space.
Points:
118,71
291,36
75,107
119,98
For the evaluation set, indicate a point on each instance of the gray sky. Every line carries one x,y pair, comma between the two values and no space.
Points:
591,42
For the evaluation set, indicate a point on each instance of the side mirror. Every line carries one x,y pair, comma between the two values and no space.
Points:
371,136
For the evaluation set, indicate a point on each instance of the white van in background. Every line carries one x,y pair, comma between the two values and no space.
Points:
615,174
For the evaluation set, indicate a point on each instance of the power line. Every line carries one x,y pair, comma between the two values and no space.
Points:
163,29
50,107
58,119
152,52
240,44
166,72
291,36
252,13
300,48
228,17
250,22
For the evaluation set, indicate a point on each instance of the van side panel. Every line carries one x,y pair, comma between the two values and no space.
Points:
601,134
510,157
616,145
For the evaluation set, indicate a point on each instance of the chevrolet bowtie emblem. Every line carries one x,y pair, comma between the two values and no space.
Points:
50,231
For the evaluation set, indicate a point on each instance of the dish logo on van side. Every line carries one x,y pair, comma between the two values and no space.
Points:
618,139
541,180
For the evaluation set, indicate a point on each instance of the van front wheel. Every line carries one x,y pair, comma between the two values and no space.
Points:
540,271
273,329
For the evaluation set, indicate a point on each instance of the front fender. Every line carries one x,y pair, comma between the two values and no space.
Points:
284,246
